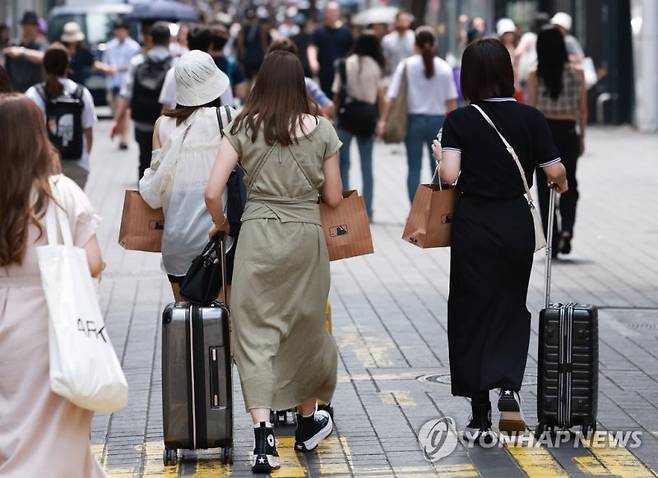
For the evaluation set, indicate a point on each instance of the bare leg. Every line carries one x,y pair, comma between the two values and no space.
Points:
307,407
259,415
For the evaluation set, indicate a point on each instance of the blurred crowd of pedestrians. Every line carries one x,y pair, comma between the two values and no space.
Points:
301,92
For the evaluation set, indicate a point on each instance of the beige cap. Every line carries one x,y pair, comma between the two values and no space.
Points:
563,20
198,80
505,25
72,33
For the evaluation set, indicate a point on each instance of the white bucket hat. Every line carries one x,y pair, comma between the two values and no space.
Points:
505,25
72,33
198,80
563,20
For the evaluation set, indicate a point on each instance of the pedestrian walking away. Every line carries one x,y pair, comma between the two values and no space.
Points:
219,37
42,433
23,61
69,114
330,42
118,54
359,94
493,237
185,141
557,88
141,92
284,354
313,90
199,38
431,94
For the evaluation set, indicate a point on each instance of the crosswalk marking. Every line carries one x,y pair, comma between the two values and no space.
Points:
536,462
590,466
619,461
290,464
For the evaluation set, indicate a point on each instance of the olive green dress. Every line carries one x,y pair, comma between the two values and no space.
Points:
281,278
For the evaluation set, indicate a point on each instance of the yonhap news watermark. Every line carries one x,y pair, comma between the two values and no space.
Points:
439,438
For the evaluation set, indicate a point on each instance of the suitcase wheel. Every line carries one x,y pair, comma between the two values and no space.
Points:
227,455
170,456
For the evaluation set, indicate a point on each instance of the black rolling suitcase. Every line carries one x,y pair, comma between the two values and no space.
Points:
567,390
196,379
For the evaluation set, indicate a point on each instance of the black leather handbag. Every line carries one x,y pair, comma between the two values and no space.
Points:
355,116
207,274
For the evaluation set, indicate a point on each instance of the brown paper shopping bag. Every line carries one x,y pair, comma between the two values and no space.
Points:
347,227
141,225
428,224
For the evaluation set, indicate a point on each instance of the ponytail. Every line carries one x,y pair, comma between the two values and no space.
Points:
56,66
425,41
53,87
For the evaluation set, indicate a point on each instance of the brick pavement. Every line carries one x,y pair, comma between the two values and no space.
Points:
390,326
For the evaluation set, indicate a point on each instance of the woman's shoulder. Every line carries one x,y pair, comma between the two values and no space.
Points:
69,194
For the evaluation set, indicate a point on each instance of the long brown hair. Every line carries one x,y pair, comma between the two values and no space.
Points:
426,43
277,102
27,159
56,66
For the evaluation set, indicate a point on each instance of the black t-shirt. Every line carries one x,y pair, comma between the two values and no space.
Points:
22,72
332,43
81,64
233,69
487,169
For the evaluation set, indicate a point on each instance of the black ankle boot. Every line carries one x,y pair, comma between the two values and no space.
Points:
478,429
265,457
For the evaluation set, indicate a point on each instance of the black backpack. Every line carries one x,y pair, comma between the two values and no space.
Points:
64,121
149,78
236,190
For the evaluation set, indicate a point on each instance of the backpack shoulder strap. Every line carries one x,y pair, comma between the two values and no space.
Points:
79,91
41,91
220,120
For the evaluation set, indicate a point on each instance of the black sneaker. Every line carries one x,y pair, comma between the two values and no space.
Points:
478,429
265,457
312,430
511,418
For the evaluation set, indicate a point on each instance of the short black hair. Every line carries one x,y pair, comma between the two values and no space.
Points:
198,38
160,33
121,24
486,71
218,36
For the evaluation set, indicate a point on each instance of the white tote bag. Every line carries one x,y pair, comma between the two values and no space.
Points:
83,365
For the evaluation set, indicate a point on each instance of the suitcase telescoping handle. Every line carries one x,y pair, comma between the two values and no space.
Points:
221,237
549,245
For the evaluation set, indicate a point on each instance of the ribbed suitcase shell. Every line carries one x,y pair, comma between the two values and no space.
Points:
567,390
196,377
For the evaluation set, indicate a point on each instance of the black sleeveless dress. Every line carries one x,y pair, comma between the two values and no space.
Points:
492,243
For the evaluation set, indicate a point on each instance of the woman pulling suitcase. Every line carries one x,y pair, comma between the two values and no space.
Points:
492,233
285,356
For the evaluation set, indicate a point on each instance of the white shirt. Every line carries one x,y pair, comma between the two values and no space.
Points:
176,181
426,96
88,112
397,48
168,92
118,54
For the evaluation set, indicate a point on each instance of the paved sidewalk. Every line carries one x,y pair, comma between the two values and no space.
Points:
390,326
